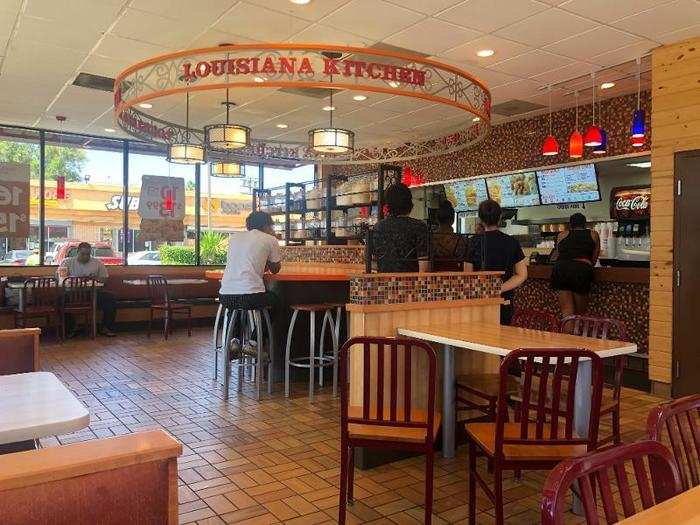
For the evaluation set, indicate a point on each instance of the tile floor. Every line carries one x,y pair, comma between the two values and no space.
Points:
275,461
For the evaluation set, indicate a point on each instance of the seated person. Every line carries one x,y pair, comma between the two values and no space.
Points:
398,241
85,265
250,254
448,248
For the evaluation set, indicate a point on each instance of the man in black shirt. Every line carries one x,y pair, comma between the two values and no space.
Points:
496,251
399,240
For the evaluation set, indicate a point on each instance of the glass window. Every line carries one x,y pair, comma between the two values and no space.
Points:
279,177
82,197
19,197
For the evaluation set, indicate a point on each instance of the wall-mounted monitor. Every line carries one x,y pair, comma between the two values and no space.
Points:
465,195
514,191
569,184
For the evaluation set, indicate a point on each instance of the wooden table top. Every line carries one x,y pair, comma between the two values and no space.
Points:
18,285
295,277
681,510
500,340
175,281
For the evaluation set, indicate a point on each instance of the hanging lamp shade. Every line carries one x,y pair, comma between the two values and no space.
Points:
603,146
638,142
576,145
184,153
226,170
550,146
638,123
332,140
224,137
593,136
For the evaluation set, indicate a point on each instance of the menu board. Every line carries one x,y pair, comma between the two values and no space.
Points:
466,195
514,191
569,184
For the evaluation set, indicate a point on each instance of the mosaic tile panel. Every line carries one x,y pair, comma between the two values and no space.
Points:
518,145
419,288
324,254
628,302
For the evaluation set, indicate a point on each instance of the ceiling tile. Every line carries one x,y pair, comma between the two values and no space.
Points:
519,89
623,54
27,58
488,76
212,37
531,63
311,11
504,49
677,36
119,48
662,19
385,18
429,8
76,12
106,67
259,23
49,32
489,15
206,10
559,24
591,43
330,35
421,37
78,103
401,104
562,74
156,29
607,11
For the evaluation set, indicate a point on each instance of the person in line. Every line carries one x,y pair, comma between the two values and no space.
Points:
250,255
578,249
494,250
399,240
83,264
448,248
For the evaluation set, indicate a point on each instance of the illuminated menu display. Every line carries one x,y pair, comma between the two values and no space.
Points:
466,195
569,184
514,191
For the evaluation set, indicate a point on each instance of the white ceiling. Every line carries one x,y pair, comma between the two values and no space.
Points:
44,44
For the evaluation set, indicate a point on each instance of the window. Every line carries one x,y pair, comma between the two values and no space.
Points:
19,197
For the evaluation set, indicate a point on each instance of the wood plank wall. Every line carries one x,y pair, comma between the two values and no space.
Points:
676,126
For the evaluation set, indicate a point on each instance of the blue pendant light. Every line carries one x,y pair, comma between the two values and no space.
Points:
602,148
639,117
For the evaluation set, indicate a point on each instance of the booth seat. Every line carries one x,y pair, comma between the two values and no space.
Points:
125,479
19,351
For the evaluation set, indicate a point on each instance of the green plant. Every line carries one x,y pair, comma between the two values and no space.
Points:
177,255
212,248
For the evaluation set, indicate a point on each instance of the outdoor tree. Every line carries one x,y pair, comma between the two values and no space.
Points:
65,161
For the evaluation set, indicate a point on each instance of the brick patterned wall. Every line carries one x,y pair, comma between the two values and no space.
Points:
418,288
324,254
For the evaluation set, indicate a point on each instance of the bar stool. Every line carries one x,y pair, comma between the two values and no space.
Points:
251,322
312,361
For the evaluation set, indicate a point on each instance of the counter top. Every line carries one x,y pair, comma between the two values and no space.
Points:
602,274
290,277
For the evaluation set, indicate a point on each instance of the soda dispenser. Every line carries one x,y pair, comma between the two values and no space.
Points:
630,208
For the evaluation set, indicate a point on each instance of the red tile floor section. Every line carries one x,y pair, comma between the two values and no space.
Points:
273,461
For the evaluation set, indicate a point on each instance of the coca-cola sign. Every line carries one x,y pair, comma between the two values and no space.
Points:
632,203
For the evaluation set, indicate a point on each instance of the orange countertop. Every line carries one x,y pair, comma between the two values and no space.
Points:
292,277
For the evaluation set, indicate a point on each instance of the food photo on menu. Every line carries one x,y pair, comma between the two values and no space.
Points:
516,190
467,194
569,184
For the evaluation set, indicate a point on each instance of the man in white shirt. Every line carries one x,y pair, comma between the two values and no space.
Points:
250,254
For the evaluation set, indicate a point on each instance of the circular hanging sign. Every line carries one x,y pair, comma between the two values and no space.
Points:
463,102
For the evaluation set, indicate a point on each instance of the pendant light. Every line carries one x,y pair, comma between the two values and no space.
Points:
225,137
227,169
576,139
639,117
550,146
602,148
332,140
186,152
593,136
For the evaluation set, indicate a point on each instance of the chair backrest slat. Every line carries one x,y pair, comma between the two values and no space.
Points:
380,381
542,408
676,423
41,291
78,291
571,391
662,483
535,320
158,289
556,397
366,382
394,379
407,384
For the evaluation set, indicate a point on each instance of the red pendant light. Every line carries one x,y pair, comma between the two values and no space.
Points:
637,142
550,146
60,187
593,137
576,139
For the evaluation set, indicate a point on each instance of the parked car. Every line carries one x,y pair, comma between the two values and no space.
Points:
147,258
100,250
16,257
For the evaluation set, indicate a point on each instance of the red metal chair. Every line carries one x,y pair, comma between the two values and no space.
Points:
41,302
161,302
387,417
480,391
545,433
605,468
603,328
677,423
77,300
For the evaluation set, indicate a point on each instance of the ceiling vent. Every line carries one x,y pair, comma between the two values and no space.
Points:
90,81
515,107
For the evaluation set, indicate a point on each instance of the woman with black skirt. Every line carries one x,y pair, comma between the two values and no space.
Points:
578,249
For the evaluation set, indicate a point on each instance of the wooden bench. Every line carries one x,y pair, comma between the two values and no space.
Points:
19,351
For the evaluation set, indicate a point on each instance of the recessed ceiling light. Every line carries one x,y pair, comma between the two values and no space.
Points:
483,53
328,108
145,105
110,130
607,85
394,84
300,2
646,164
476,119
359,98
259,79
282,126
